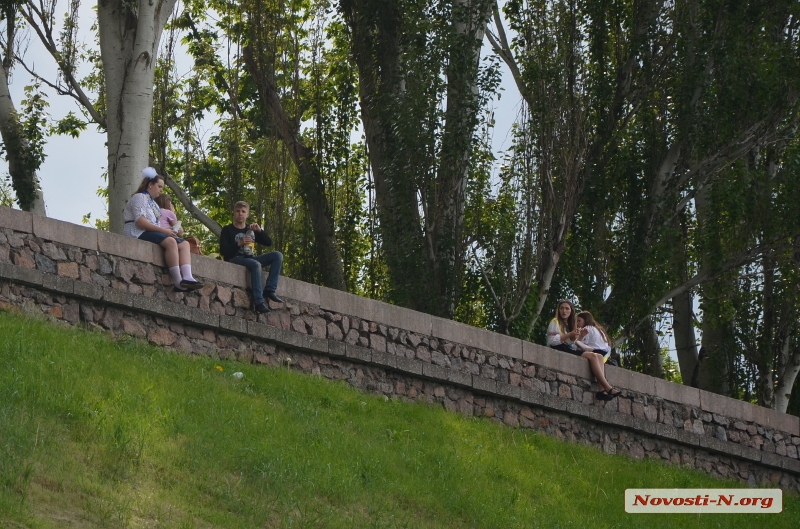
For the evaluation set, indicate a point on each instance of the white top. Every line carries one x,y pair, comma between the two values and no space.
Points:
594,340
139,205
554,334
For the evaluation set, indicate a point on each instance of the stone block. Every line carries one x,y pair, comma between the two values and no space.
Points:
159,307
161,336
552,402
124,246
456,332
203,318
626,379
290,339
774,419
750,454
157,255
459,377
384,359
25,276
232,324
65,232
530,396
337,349
69,269
87,290
356,352
314,344
792,465
666,431
299,291
259,330
726,406
686,437
435,372
679,393
63,285
536,354
218,271
373,310
117,297
16,219
507,390
484,384
44,264
133,328
409,365
622,420
771,460
713,444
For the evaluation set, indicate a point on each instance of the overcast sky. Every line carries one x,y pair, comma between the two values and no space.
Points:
74,167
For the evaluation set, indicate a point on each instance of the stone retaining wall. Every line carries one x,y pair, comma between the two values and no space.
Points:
110,282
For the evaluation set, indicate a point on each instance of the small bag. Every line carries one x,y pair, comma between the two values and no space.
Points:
194,245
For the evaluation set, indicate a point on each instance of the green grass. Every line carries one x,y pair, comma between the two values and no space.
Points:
102,433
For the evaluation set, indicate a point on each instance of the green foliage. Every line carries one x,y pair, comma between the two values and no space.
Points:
118,434
70,124
6,194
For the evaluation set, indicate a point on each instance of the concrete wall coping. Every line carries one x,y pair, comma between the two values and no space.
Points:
390,315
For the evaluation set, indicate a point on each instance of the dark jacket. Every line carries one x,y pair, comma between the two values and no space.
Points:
228,246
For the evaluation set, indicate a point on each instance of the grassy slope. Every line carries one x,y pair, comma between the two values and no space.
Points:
96,433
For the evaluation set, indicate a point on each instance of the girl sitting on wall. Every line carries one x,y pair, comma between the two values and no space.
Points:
142,216
595,345
565,332
562,331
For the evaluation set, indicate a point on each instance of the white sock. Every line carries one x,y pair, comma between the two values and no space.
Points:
186,272
175,272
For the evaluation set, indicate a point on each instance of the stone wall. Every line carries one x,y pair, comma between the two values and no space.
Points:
105,281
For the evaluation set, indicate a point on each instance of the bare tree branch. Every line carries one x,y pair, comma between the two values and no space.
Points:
747,256
196,212
41,23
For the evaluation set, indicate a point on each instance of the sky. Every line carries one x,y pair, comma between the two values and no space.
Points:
73,170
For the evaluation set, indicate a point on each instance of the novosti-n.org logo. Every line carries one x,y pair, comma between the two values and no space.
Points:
704,500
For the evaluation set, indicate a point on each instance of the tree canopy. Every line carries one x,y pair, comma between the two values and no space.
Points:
650,175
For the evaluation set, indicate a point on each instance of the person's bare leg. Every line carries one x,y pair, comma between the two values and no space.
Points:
184,255
170,251
598,368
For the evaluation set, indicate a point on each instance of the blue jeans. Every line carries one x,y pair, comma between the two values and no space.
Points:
274,260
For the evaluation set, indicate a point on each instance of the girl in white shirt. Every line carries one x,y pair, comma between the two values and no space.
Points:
596,346
142,216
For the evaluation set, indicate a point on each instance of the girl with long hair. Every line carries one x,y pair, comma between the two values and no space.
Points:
142,216
595,346
562,331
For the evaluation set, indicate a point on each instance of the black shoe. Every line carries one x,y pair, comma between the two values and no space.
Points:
191,285
272,297
179,289
603,395
262,308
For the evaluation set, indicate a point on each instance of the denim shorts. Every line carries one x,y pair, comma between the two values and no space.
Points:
156,237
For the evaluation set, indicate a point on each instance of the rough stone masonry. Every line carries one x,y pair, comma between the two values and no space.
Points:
112,283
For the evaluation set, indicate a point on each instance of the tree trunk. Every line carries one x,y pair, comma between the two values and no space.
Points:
682,311
129,39
788,368
312,187
375,33
652,349
685,338
461,117
21,165
712,371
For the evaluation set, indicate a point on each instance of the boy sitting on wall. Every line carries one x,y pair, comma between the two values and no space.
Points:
237,243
